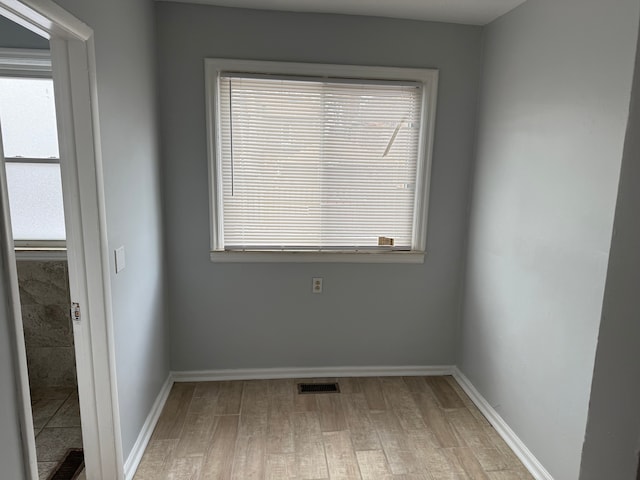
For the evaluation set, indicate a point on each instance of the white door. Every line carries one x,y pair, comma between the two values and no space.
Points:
9,280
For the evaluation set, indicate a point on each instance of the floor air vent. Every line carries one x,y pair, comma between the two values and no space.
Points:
70,466
318,388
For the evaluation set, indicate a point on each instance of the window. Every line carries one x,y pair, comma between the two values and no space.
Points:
30,145
325,162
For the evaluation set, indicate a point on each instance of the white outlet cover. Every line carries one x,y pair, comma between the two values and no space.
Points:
120,259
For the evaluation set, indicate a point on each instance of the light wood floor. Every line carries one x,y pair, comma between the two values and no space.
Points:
418,428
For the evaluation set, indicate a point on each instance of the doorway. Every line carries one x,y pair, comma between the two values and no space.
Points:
29,138
73,76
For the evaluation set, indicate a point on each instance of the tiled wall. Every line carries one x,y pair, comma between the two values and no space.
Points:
44,297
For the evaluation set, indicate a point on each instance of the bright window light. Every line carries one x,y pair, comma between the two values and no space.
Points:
28,118
30,144
35,199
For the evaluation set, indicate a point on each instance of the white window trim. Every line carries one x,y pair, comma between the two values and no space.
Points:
19,62
427,77
42,254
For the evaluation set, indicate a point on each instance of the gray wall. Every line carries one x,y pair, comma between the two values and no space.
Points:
613,428
554,104
124,42
13,35
264,315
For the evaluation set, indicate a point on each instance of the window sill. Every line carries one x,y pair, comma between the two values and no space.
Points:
40,254
317,257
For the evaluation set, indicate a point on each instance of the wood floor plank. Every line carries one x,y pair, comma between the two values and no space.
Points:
251,444
399,398
219,460
341,458
229,398
373,465
332,416
460,391
411,420
427,452
436,422
175,411
491,458
397,394
185,468
363,434
205,397
508,455
399,455
397,449
445,394
463,458
350,385
507,475
280,434
385,421
495,440
155,459
373,393
196,435
309,449
255,399
281,406
469,431
305,403
412,428
282,390
251,448
412,476
447,476
280,466
417,384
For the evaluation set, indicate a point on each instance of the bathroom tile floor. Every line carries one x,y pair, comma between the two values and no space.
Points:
56,424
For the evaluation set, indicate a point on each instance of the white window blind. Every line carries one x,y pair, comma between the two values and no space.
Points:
317,164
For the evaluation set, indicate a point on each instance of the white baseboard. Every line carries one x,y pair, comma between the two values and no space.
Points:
133,460
318,372
509,436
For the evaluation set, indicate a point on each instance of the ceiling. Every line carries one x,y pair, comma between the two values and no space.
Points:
474,12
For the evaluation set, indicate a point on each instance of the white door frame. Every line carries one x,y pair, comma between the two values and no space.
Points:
74,78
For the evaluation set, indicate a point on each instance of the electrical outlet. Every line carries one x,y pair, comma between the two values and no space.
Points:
316,285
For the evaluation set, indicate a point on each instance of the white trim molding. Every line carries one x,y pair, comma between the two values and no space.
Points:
24,62
135,456
508,435
45,18
316,257
310,372
41,255
74,79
